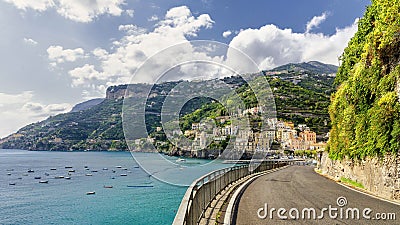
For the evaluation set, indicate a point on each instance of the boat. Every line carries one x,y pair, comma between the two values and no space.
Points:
44,182
139,186
85,167
90,193
67,178
89,174
59,177
124,175
71,171
105,168
180,160
68,167
53,168
118,167
11,183
125,168
31,171
38,178
108,186
9,174
10,170
136,167
94,171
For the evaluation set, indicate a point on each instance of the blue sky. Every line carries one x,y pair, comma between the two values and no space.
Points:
56,53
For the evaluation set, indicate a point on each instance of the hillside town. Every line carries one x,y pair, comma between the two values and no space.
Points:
206,140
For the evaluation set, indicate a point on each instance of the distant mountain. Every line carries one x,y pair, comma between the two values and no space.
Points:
312,66
87,105
301,96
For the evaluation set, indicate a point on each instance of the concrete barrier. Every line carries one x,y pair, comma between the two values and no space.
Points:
204,190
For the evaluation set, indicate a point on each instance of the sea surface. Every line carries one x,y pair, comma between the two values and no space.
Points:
137,198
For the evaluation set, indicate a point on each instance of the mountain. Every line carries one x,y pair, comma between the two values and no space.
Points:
365,109
97,124
312,66
87,105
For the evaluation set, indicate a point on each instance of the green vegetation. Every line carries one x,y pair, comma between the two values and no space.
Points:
352,182
365,109
308,153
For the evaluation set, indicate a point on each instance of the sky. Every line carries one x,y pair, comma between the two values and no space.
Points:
57,53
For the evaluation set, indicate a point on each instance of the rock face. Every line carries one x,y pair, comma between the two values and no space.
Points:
379,176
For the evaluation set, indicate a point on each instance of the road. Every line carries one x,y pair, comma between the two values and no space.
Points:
300,189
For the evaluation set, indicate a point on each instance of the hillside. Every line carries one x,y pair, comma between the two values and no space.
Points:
99,127
365,109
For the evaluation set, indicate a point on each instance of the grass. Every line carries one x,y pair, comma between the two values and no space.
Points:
351,182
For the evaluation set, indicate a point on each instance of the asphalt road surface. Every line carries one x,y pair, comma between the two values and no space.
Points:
298,190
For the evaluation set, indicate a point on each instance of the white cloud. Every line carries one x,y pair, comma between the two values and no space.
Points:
153,18
77,10
316,21
270,46
128,53
17,110
60,55
39,5
130,12
227,33
132,29
30,41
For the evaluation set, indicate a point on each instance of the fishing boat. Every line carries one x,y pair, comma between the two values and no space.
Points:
44,182
11,184
90,193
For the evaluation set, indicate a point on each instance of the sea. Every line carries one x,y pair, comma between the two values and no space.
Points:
123,192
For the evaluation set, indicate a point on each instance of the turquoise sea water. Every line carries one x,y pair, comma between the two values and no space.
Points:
63,201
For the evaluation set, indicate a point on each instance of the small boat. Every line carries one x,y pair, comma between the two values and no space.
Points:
59,177
11,183
43,182
31,171
105,168
85,167
89,174
125,168
180,160
118,167
38,178
9,170
19,178
68,167
67,178
53,168
71,171
124,175
90,193
113,178
108,186
94,171
129,171
113,171
139,186
136,167
9,174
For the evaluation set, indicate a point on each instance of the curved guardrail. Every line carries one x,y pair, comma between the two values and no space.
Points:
203,191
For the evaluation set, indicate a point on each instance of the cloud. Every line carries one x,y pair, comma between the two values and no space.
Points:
270,46
117,65
130,12
226,33
17,110
60,55
38,5
153,18
316,21
77,10
30,41
132,29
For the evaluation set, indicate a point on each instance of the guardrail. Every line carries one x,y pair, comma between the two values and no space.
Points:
203,191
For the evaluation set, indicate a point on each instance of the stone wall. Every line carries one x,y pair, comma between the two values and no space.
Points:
379,176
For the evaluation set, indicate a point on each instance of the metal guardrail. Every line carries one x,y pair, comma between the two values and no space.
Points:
203,191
